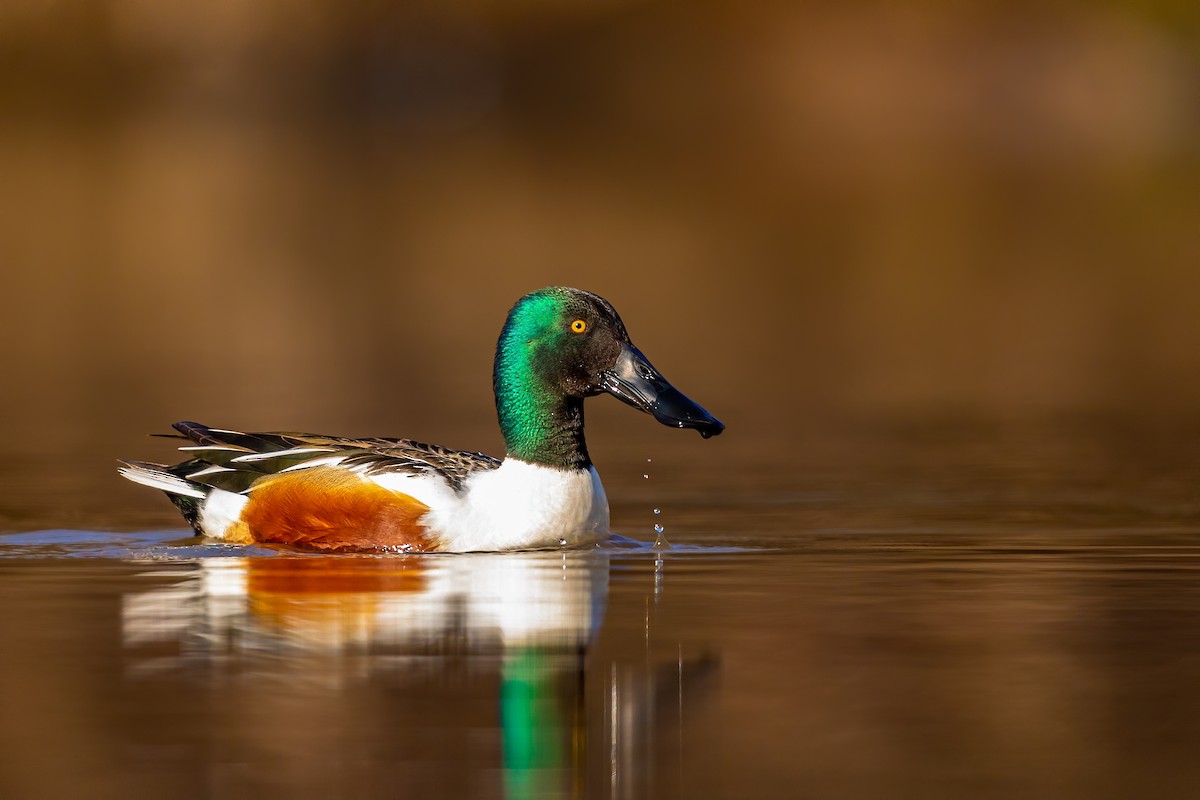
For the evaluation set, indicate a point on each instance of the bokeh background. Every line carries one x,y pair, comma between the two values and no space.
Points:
814,217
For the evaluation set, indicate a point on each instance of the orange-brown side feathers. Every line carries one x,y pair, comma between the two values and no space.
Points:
331,509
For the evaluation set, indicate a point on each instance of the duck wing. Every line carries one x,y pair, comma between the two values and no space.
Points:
235,461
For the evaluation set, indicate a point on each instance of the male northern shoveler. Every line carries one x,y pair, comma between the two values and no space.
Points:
558,346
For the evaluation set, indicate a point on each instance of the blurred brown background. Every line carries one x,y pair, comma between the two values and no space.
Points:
315,214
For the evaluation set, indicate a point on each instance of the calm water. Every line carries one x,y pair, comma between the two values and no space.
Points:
914,621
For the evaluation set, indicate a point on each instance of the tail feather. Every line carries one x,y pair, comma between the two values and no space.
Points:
188,497
157,477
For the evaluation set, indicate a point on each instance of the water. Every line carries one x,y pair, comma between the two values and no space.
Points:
873,665
895,623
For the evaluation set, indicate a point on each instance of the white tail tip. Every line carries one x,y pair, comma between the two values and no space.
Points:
157,478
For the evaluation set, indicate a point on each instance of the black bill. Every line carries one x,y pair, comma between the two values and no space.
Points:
635,380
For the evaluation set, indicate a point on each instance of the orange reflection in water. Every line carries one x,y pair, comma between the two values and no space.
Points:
332,576
327,597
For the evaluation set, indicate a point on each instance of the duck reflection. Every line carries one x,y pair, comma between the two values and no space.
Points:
478,603
314,624
449,665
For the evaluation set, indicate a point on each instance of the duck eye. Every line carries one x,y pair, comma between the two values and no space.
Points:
578,326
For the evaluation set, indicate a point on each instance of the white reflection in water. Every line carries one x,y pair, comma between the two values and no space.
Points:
549,600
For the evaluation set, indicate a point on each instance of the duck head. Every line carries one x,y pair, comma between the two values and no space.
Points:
560,345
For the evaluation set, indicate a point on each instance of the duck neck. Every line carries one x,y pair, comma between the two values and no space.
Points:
539,424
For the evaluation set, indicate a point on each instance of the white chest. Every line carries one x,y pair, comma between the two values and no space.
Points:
522,505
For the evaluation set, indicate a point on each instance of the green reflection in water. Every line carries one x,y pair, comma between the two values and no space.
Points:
531,724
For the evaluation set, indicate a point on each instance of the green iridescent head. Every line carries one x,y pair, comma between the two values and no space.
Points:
558,346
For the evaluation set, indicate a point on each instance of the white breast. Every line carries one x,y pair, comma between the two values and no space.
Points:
521,505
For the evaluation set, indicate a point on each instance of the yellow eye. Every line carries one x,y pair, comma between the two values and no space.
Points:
578,326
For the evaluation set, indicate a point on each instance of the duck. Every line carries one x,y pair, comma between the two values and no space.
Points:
558,347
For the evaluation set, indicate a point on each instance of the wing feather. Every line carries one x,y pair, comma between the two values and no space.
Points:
236,461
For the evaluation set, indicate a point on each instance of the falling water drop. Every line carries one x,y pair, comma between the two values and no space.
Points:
660,541
562,542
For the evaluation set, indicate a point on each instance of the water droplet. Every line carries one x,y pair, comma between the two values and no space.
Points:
657,511
644,475
562,542
658,528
